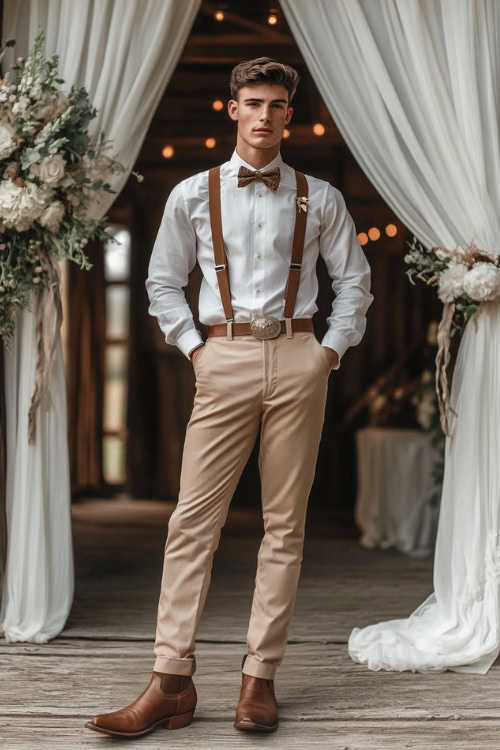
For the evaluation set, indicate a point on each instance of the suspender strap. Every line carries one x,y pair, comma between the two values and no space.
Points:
292,284
220,254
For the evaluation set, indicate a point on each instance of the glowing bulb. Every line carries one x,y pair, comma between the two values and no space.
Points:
217,105
286,133
362,238
374,233
210,142
219,15
318,129
272,19
167,152
391,230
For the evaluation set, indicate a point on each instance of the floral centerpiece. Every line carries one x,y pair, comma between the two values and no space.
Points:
465,279
51,175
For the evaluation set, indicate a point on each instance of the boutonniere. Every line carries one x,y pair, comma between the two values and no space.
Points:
302,202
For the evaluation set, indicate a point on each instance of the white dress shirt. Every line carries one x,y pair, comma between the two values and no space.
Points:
257,226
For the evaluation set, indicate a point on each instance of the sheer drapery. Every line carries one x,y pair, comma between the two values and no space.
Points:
124,52
414,87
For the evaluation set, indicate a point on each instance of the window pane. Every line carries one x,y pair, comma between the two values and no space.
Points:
114,459
117,256
117,311
115,387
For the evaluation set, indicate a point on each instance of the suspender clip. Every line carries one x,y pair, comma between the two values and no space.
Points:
221,267
230,330
296,266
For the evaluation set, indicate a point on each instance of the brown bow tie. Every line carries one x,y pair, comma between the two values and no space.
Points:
271,178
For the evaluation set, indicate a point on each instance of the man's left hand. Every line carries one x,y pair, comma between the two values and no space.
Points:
332,355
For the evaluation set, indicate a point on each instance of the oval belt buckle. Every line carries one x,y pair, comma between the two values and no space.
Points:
265,327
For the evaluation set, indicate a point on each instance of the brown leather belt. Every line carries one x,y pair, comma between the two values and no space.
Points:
241,329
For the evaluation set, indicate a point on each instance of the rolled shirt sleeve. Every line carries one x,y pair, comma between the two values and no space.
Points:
172,259
350,273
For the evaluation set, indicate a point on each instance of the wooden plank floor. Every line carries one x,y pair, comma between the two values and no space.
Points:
104,657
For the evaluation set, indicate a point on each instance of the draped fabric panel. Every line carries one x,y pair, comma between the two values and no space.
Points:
3,467
123,52
414,87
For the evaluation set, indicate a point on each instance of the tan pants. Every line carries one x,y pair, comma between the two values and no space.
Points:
241,383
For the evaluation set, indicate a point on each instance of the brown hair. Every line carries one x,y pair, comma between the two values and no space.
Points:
263,70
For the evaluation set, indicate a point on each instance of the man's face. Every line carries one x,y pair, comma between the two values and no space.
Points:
262,112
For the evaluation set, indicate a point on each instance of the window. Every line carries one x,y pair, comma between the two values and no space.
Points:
117,300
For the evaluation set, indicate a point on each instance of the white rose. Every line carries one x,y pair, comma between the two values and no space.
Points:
21,206
51,169
52,216
451,282
7,142
482,282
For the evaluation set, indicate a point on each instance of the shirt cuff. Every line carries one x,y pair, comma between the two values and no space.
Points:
188,341
337,342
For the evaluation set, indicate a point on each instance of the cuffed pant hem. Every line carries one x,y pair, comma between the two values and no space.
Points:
258,668
185,667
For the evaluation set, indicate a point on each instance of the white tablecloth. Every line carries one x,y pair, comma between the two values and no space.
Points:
395,487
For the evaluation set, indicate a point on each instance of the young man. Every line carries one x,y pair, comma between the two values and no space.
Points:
256,227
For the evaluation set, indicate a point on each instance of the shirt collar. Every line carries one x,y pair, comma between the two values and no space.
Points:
236,162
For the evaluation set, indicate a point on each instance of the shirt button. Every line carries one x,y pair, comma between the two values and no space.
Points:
257,291
260,226
260,195
259,255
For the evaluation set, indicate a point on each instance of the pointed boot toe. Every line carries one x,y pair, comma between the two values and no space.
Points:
257,709
168,701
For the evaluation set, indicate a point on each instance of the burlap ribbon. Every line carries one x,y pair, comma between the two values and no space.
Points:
442,362
48,319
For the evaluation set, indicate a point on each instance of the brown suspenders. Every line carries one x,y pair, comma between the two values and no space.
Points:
220,255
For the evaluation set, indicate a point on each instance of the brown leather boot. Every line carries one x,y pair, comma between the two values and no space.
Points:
168,701
257,709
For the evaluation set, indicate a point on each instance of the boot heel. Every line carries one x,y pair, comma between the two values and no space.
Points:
179,721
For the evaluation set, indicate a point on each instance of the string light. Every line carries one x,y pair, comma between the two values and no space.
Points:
272,18
391,230
374,233
219,15
210,142
362,238
217,105
167,152
318,129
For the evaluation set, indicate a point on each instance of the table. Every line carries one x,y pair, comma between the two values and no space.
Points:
395,489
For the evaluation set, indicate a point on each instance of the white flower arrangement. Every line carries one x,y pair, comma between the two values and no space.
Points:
50,175
464,278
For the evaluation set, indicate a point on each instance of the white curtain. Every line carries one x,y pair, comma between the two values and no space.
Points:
414,87
124,52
